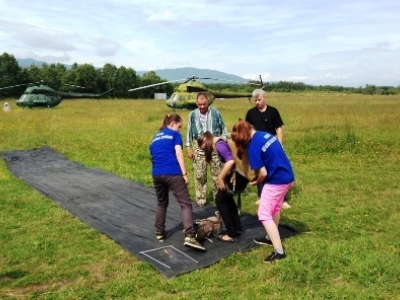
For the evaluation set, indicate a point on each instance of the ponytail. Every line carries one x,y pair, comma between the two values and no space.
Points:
169,118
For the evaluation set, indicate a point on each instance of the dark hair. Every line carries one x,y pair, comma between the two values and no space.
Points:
241,135
168,119
206,139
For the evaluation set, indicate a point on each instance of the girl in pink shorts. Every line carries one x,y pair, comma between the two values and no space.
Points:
269,160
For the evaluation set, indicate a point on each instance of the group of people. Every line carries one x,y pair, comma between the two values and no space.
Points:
257,139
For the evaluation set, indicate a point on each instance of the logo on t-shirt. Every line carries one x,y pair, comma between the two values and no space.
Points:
268,143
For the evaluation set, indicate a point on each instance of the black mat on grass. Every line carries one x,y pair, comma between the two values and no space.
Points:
124,210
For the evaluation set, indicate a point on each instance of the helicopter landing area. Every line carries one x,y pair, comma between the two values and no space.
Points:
124,211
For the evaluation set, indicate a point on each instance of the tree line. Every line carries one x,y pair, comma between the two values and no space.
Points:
288,86
94,80
99,80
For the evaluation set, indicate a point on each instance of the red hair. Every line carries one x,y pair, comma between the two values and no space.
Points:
241,135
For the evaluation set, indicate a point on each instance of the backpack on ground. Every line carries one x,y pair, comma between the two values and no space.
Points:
208,228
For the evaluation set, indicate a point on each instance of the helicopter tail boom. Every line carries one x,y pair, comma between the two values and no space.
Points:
83,95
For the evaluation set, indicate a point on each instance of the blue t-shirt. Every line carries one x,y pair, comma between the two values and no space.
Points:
264,150
162,151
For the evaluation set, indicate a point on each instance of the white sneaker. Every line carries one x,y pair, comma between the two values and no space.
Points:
285,205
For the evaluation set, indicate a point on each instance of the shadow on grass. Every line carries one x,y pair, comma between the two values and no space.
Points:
15,274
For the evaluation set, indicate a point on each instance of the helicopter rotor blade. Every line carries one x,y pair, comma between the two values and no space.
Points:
155,84
228,80
82,87
193,78
11,86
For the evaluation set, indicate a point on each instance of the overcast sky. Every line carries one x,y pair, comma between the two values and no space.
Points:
338,42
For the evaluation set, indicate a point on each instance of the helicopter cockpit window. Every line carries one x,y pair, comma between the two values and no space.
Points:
173,97
44,92
181,98
23,98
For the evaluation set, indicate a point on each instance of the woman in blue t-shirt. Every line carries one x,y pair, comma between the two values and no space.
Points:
269,160
169,174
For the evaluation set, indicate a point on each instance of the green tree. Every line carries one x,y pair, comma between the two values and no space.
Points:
150,78
10,75
125,79
35,73
87,77
52,75
369,89
106,77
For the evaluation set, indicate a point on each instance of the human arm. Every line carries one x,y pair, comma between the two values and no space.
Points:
224,131
189,137
216,123
226,155
190,153
279,134
224,172
248,117
278,125
181,161
261,175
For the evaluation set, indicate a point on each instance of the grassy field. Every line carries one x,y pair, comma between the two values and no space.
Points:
345,150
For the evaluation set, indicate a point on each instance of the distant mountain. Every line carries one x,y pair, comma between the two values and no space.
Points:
27,62
167,74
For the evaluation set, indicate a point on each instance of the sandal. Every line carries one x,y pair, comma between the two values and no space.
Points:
229,240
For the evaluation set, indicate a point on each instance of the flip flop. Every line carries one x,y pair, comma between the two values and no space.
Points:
231,240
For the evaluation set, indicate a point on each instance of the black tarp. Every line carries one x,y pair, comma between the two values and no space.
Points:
124,210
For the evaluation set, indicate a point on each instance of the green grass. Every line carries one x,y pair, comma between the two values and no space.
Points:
345,150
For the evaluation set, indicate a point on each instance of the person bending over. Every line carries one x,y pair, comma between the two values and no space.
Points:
268,159
265,118
224,198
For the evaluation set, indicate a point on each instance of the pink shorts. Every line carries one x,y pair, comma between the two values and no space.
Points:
271,200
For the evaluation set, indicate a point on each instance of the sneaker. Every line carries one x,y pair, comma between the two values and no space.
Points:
262,241
285,205
274,256
161,236
193,243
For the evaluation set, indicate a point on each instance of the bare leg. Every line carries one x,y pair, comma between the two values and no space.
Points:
273,234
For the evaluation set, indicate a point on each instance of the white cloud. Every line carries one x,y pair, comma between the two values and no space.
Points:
318,42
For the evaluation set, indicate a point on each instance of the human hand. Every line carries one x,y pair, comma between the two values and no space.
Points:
221,184
190,153
186,178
